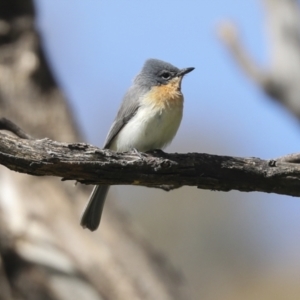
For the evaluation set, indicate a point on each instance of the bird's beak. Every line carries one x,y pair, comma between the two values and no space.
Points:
184,71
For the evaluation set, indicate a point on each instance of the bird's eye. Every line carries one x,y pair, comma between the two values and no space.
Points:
165,75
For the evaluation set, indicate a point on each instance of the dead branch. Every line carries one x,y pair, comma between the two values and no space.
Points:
90,165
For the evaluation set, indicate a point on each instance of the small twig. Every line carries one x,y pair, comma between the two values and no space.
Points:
229,35
290,158
6,124
280,78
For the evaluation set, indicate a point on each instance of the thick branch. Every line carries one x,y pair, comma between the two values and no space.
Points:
91,165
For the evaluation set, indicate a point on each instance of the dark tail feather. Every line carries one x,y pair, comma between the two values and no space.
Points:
92,214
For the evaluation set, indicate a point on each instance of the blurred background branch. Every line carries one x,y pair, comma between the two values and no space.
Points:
44,253
280,79
227,245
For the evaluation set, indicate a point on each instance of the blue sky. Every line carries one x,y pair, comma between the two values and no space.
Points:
97,47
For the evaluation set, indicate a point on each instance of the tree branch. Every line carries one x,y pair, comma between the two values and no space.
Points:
6,124
91,165
279,79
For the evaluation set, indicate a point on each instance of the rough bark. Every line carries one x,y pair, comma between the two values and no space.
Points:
88,164
44,253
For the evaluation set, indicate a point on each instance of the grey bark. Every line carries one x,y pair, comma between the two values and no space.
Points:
88,164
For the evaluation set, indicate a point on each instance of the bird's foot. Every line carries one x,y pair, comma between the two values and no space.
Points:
141,155
156,152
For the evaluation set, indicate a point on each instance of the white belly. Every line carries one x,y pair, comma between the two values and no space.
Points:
149,129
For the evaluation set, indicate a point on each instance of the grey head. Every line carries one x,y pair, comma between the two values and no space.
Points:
158,72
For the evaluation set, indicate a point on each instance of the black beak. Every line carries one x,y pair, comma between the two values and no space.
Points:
184,71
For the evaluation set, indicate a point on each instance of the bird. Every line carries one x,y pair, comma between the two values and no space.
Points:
148,119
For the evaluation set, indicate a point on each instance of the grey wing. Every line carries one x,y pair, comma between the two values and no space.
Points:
128,109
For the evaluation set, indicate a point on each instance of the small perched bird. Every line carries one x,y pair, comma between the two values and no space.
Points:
148,119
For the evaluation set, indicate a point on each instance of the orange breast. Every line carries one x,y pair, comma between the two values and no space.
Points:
166,95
